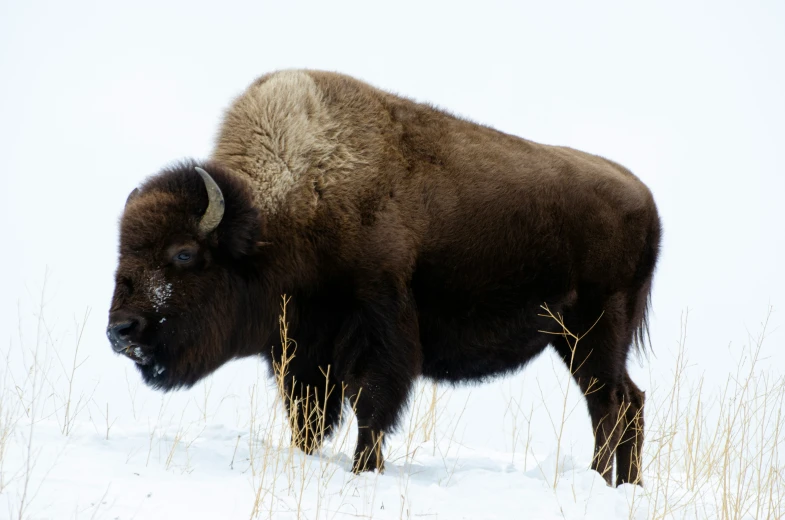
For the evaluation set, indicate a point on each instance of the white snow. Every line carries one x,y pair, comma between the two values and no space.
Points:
173,469
159,291
113,478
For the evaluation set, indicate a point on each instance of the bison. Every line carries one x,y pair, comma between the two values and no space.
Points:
410,242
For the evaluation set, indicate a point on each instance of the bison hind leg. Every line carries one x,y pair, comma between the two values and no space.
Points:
628,454
597,356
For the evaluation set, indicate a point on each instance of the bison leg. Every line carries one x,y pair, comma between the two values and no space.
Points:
607,420
377,405
628,454
313,402
378,397
379,353
370,441
598,364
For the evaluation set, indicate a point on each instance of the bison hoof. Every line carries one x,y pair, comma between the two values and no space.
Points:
367,461
307,445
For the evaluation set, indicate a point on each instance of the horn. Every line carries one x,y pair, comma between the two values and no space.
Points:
132,196
215,207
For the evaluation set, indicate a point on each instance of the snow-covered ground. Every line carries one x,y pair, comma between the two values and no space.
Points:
222,450
96,96
92,477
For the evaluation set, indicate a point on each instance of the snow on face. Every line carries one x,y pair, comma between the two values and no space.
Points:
158,290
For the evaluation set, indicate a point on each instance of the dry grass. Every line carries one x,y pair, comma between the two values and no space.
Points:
720,449
709,453
72,409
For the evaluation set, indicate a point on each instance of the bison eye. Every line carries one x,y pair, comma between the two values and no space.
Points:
183,257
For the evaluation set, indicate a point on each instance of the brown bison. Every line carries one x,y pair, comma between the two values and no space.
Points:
411,243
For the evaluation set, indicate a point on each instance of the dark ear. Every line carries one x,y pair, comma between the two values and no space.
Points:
132,196
241,235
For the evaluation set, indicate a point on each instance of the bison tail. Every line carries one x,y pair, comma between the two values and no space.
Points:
642,298
641,339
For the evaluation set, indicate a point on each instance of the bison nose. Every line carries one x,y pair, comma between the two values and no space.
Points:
119,334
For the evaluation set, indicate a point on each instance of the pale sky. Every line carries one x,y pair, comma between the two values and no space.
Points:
690,96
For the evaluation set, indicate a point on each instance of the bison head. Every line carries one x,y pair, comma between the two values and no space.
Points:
189,240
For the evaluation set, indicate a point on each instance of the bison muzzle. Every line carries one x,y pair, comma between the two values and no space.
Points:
410,243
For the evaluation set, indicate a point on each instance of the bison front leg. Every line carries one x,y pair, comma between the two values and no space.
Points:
377,404
380,352
368,454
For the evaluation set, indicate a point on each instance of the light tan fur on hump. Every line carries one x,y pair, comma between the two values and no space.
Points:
280,134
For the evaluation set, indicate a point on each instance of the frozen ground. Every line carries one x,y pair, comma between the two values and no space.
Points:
92,477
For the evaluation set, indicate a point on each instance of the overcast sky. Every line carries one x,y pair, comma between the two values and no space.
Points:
690,96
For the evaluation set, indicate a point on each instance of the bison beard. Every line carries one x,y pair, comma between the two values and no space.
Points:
409,242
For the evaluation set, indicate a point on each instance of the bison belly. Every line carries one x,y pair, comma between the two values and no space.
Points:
471,333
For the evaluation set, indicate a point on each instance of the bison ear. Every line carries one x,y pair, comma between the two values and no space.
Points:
132,196
242,236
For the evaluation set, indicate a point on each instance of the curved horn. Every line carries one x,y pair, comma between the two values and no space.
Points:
215,207
132,196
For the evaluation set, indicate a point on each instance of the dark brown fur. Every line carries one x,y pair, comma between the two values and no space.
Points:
412,243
